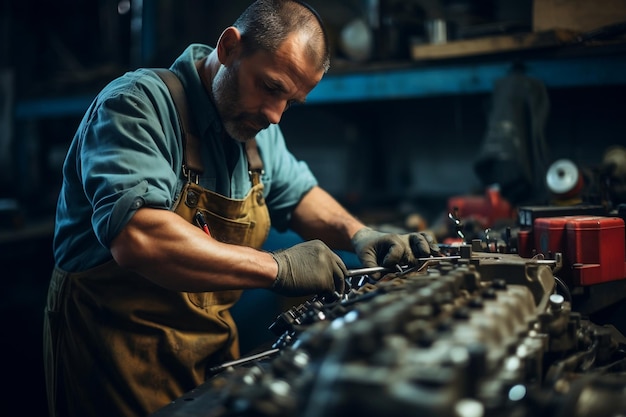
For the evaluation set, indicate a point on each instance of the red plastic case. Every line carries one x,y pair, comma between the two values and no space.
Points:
550,234
596,249
593,247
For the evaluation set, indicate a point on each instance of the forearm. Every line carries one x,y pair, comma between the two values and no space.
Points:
320,216
164,248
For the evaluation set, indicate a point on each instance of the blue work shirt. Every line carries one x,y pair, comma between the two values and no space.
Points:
127,153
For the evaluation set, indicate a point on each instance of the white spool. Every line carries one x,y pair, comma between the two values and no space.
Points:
563,178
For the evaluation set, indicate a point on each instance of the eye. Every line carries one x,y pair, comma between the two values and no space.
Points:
291,103
272,89
278,91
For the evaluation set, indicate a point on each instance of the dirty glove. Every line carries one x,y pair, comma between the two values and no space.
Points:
309,268
390,249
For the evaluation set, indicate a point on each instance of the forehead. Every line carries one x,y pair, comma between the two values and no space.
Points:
292,64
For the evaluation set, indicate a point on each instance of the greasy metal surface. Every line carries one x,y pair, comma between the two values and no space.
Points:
484,335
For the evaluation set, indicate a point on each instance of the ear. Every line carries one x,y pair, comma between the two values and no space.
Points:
228,45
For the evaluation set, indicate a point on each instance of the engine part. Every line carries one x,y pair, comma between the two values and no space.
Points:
487,334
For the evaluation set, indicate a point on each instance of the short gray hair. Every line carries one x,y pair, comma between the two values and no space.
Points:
265,24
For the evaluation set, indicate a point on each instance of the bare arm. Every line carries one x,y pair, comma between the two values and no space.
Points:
320,216
163,247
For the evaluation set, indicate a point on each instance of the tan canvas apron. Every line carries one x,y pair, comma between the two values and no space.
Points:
123,346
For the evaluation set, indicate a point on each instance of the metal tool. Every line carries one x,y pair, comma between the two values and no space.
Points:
242,361
372,270
401,269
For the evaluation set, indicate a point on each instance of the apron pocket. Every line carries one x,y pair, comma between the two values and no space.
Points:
228,230
207,299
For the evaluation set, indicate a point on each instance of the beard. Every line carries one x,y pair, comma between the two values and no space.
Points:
241,126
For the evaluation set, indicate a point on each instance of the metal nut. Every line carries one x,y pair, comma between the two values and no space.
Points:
192,199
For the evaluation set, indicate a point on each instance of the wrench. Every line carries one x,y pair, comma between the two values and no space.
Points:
371,270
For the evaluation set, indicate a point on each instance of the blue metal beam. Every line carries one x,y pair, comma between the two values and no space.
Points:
465,79
406,83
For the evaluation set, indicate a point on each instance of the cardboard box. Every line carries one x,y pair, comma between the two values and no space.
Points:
577,15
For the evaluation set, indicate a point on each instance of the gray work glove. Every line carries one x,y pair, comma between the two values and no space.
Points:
309,268
390,249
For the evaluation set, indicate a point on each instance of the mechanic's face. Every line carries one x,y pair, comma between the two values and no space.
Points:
252,92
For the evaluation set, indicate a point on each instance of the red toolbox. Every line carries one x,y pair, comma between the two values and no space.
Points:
549,234
593,247
596,249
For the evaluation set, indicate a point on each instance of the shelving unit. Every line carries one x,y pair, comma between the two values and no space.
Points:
409,81
466,79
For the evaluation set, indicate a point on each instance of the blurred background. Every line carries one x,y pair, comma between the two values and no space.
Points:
426,101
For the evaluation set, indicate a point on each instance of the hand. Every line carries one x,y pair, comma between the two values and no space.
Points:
309,268
390,249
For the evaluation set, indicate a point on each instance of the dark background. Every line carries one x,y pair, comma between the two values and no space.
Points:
383,159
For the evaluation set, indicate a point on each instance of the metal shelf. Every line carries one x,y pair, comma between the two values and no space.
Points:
389,84
466,79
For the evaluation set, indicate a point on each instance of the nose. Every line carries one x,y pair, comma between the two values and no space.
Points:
274,109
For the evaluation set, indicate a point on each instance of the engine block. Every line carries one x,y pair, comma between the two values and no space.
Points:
484,335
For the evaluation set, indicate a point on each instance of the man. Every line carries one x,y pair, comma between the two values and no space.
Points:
138,303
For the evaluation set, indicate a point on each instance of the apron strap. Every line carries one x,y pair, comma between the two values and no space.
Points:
255,164
192,166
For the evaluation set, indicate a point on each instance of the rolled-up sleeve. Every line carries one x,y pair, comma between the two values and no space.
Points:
126,160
